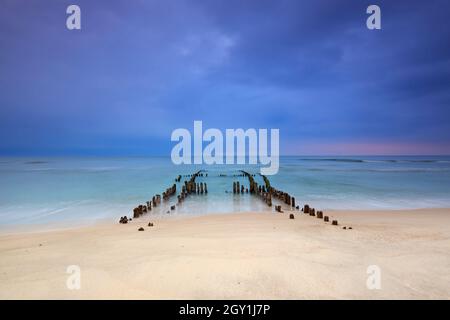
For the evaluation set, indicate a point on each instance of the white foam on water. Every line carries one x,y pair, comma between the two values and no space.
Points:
76,190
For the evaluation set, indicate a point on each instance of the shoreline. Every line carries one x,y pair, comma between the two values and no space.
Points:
64,226
263,255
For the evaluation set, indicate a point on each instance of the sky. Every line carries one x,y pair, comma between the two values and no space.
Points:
137,70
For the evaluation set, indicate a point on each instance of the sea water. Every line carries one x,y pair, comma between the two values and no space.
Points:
81,190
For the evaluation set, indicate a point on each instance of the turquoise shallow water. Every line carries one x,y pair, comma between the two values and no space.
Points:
82,190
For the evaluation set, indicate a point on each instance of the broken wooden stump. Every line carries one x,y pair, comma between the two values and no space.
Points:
306,208
141,229
269,199
288,199
334,223
136,213
291,216
123,220
319,214
326,219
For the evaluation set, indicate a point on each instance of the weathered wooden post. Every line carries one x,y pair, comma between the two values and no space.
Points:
319,214
326,219
123,220
306,208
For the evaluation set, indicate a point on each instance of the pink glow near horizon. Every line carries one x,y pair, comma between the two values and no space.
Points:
367,149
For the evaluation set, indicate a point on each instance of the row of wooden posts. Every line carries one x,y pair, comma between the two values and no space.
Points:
237,188
197,174
254,189
170,192
319,214
141,209
154,202
284,197
265,191
191,187
188,188
261,191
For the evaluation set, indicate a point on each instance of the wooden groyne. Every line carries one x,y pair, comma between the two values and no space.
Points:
265,191
191,187
262,191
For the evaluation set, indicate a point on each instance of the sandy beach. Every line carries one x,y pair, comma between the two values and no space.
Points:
236,256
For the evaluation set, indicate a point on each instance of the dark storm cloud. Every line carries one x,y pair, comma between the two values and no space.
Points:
139,69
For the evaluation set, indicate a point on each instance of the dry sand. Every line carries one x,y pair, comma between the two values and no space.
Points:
236,256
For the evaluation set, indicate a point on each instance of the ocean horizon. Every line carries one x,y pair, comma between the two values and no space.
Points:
82,190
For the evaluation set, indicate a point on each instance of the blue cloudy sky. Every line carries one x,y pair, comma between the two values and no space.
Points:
139,69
